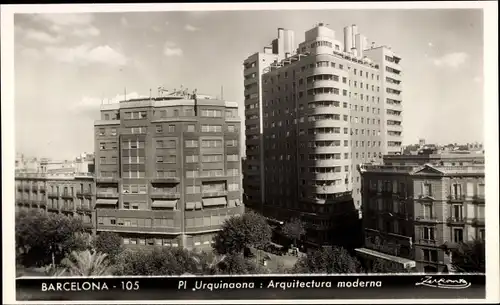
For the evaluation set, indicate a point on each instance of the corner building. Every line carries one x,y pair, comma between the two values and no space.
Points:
417,208
322,114
167,169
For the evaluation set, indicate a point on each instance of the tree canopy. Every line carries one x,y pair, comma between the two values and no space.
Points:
39,235
109,243
469,257
240,232
294,229
157,261
327,260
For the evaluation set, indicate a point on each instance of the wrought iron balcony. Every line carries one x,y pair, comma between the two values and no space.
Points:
456,220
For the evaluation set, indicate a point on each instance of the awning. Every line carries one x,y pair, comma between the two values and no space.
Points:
216,201
198,206
166,204
107,201
407,263
233,203
190,205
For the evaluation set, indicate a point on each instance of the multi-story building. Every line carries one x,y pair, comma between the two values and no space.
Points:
321,111
167,169
254,66
71,194
417,207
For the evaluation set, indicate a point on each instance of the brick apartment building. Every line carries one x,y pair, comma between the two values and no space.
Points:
167,169
418,207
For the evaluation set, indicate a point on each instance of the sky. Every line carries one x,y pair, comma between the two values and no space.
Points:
66,65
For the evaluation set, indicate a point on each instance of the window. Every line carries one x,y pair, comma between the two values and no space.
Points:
191,128
232,158
192,159
480,190
457,211
430,255
232,143
126,205
428,233
457,191
458,235
102,131
113,131
159,128
191,143
171,128
159,159
211,143
427,189
427,211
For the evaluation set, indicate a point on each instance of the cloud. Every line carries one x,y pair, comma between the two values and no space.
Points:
84,55
36,35
86,32
170,48
453,60
79,24
66,19
124,21
430,44
30,53
190,28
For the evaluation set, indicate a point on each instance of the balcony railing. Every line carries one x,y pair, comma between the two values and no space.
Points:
478,222
478,198
210,193
107,194
456,220
456,197
165,180
83,193
107,179
426,219
53,194
428,242
164,195
67,195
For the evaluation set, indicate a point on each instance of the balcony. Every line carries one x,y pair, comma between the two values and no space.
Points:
53,194
107,194
107,179
427,219
478,198
156,194
67,195
210,193
165,180
456,198
27,188
42,189
84,193
478,222
460,221
41,203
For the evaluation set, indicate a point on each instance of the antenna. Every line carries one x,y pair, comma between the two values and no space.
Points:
150,95
221,92
125,91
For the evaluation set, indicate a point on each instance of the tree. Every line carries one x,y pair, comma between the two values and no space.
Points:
327,260
44,238
469,257
294,230
109,243
241,232
237,264
87,263
157,261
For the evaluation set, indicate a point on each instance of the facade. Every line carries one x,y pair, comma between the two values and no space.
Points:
167,169
71,194
416,209
254,66
319,112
